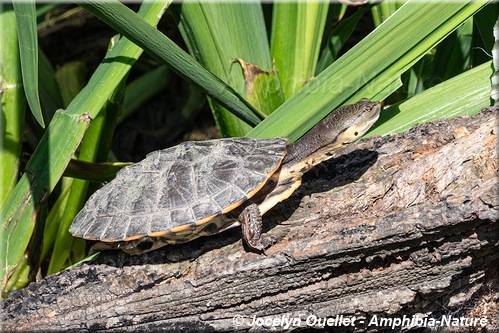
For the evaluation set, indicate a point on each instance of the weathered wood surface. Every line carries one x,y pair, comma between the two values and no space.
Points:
400,225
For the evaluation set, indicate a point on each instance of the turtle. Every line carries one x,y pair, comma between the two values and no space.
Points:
201,188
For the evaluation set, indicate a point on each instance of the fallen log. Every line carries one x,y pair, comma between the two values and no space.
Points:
396,234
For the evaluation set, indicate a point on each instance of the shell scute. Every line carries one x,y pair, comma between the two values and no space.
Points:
205,208
140,225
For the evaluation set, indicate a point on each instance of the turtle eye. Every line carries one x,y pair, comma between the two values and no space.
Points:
356,133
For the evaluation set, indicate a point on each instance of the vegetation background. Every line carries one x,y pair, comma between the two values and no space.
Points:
77,97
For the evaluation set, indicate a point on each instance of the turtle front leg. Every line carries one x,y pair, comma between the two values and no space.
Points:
251,223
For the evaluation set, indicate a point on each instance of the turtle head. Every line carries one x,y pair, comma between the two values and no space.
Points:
351,122
342,126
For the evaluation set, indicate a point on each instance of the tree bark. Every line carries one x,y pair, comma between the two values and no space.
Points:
403,225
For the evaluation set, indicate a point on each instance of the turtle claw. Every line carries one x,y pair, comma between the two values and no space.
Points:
264,242
251,223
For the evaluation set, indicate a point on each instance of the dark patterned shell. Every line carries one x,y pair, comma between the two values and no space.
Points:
187,185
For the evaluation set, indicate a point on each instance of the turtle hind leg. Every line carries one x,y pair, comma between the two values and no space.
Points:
251,223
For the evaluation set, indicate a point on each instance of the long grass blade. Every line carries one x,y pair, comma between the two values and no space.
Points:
12,101
28,42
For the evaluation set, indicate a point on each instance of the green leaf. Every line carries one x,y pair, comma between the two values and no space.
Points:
262,87
452,55
12,101
50,94
217,34
338,37
42,173
70,78
56,215
373,66
143,88
384,10
297,29
97,172
162,48
28,42
464,94
94,147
